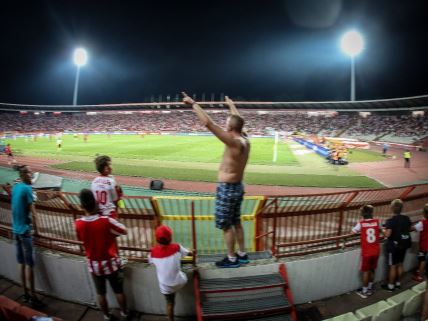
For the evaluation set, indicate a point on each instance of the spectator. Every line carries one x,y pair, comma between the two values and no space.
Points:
397,230
230,189
166,257
422,228
368,228
98,234
22,208
104,187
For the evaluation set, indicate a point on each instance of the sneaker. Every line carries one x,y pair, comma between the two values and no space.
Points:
398,286
418,278
243,259
386,287
370,292
226,263
362,294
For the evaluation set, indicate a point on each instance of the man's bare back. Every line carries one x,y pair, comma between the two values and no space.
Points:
234,161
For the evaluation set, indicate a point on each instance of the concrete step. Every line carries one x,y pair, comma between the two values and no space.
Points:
245,282
253,256
244,303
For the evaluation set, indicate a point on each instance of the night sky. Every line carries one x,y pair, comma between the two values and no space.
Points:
252,50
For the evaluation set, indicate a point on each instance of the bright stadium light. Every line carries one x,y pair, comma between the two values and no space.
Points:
80,57
352,43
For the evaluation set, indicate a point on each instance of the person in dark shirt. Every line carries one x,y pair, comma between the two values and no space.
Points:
397,231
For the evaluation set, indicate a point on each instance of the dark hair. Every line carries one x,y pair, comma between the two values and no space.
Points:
367,211
23,170
397,206
101,162
87,200
236,122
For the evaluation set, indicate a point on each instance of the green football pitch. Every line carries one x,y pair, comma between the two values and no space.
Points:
196,158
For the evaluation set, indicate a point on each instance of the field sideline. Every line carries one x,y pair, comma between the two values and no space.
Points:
196,158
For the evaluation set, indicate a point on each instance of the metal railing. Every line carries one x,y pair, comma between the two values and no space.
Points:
286,225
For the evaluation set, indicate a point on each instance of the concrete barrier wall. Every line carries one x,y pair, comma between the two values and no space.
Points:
66,276
311,278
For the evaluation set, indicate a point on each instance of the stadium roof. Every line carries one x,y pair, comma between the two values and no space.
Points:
394,104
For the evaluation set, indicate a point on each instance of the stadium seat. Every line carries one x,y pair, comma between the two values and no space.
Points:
344,317
380,311
411,300
420,288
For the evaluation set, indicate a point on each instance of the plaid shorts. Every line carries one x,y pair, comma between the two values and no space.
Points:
228,204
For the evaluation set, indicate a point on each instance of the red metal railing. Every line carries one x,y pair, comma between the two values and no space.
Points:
300,224
287,225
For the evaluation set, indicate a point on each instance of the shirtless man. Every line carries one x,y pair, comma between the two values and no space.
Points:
230,190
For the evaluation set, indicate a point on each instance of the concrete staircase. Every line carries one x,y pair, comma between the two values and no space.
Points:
244,297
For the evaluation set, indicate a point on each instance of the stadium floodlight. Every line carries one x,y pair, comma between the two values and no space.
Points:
352,43
80,57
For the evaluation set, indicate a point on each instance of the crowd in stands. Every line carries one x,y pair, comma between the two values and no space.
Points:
257,122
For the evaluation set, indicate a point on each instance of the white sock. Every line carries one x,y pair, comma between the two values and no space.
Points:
390,286
241,253
232,258
370,285
365,289
397,284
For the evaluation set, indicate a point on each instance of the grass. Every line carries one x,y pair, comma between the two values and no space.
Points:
362,155
189,174
196,158
205,149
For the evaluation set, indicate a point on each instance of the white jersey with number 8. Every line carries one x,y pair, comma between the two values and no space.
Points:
104,189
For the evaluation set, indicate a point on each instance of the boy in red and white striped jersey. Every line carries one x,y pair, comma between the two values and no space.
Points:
107,193
98,234
369,230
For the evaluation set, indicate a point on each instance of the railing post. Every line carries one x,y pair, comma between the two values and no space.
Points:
194,240
274,228
406,192
34,220
341,214
258,224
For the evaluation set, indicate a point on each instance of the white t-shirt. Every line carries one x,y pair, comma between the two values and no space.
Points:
104,189
168,270
419,227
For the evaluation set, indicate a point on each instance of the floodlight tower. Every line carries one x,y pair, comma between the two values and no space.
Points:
80,57
352,43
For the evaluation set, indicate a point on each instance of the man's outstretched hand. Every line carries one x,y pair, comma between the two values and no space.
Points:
228,101
186,99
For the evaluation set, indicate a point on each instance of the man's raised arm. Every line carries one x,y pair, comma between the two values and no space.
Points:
202,115
208,122
232,107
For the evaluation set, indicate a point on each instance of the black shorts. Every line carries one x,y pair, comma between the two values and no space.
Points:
10,154
395,255
422,256
115,279
170,298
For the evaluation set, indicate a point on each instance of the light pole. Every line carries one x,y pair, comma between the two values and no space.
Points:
352,43
80,57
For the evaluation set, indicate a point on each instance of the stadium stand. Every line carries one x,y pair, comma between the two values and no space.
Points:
402,128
